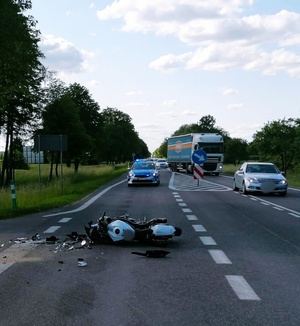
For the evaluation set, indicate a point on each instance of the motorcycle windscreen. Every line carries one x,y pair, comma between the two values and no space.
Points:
120,231
161,230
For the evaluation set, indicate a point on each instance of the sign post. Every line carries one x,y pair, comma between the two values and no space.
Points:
199,157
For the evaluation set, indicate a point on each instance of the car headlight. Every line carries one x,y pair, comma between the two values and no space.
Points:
252,180
131,174
282,182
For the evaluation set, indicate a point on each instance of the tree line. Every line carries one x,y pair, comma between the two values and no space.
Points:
34,102
277,142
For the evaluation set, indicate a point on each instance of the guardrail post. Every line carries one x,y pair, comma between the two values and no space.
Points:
13,193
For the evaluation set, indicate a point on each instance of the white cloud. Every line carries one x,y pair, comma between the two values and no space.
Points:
63,56
133,93
235,106
223,37
228,91
94,83
170,102
189,113
170,62
137,104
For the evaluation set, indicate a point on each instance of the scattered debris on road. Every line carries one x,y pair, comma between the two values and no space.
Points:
152,253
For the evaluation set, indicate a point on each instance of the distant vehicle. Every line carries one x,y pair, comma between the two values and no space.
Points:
161,163
143,173
260,177
181,149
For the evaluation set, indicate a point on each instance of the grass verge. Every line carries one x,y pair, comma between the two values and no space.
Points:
34,193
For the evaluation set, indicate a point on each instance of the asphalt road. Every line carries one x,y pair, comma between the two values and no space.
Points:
236,263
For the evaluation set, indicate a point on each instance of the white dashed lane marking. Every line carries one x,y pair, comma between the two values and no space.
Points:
182,204
65,220
52,229
241,288
238,284
208,241
192,217
199,228
219,257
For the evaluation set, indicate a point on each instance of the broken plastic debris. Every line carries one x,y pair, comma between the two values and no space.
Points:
81,262
152,253
36,237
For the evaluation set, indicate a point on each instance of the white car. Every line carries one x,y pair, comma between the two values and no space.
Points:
161,164
260,177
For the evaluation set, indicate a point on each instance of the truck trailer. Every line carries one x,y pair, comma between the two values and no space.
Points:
182,147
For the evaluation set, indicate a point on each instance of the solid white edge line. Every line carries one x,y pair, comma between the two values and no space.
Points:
89,202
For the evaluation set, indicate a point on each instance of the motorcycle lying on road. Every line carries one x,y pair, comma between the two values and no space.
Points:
123,229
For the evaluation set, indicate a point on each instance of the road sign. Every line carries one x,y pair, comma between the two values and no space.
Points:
198,172
199,156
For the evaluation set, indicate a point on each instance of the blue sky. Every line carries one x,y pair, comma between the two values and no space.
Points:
170,62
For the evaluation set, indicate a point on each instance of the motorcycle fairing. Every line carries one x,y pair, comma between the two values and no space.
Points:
163,230
120,231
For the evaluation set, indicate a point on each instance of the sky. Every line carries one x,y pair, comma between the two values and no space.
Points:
166,63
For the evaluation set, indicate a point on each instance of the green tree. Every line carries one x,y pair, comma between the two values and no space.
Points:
89,113
236,151
278,141
162,150
120,137
62,117
21,74
206,124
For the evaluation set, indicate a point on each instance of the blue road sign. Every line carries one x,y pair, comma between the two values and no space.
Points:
199,156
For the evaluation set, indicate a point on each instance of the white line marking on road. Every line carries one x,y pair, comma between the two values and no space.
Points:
275,205
252,198
192,217
177,196
278,208
65,220
295,215
219,257
199,228
13,254
241,288
187,210
182,204
267,204
52,229
179,199
89,202
208,241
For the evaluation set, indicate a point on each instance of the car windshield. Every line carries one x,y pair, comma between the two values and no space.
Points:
261,168
161,161
143,166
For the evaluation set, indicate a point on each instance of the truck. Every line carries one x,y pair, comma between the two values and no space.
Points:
182,147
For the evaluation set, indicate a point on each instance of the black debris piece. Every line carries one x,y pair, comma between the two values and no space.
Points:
76,237
152,253
51,239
